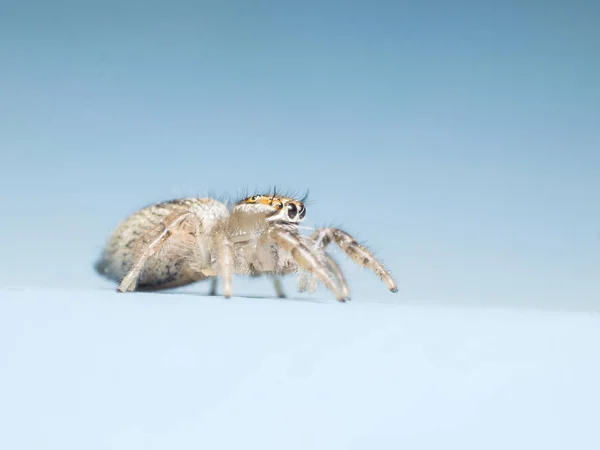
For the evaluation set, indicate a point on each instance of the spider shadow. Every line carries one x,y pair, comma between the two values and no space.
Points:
177,292
257,297
193,293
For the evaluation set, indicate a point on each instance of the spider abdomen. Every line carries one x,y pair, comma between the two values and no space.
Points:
176,263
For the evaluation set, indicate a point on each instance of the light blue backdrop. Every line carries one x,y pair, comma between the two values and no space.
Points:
461,140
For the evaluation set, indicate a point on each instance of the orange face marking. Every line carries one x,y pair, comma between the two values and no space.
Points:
296,207
267,200
276,201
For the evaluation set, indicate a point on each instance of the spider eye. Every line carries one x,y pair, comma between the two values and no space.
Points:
292,211
302,212
254,198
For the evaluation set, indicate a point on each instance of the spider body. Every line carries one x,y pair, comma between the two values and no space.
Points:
182,241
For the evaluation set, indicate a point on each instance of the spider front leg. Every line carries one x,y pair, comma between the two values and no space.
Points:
307,260
157,239
332,265
306,282
358,253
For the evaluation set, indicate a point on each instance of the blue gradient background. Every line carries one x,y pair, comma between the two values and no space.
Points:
460,140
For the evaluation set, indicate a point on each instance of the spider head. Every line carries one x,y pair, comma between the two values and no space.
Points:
277,208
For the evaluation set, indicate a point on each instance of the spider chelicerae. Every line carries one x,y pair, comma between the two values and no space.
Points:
178,242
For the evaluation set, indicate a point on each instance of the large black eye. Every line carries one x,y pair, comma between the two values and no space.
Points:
292,211
302,212
254,198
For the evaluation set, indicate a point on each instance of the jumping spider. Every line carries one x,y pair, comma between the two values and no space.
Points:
182,241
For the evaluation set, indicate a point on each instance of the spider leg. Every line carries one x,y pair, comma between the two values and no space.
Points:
213,286
157,242
302,280
334,268
202,257
278,286
226,264
306,259
355,251
306,282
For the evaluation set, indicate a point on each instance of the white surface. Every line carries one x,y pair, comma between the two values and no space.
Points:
87,369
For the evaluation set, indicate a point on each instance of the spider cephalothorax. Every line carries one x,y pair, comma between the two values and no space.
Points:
178,242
